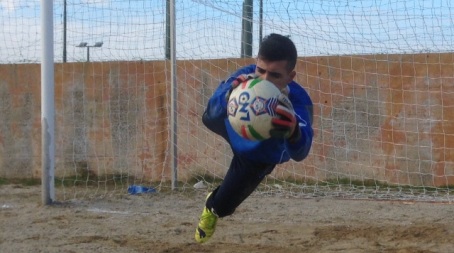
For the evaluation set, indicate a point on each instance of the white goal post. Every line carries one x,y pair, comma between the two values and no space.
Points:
380,74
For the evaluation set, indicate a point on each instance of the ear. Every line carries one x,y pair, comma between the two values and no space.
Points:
291,76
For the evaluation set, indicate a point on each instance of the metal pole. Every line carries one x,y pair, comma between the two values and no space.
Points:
64,31
173,109
246,34
47,103
261,22
168,43
88,53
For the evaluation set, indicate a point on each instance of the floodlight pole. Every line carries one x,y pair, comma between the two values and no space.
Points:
168,46
246,31
88,53
64,31
260,21
85,44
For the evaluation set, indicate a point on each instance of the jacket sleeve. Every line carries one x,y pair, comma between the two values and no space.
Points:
216,110
302,104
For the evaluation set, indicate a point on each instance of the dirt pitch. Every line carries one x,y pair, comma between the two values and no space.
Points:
165,222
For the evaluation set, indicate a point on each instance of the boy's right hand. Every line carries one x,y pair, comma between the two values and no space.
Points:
239,80
242,78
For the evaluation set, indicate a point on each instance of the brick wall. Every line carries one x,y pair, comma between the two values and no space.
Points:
387,117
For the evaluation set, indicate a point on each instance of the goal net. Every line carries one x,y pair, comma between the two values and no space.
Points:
380,74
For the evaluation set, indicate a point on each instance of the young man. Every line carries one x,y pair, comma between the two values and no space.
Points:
252,160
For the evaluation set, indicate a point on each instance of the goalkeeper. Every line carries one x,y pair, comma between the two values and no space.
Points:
291,135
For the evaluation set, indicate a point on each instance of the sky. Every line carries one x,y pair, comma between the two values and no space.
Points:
135,29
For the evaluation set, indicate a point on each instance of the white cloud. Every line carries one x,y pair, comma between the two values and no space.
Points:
13,5
8,5
136,29
95,2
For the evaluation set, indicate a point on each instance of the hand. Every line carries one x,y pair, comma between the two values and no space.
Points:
239,80
285,123
242,78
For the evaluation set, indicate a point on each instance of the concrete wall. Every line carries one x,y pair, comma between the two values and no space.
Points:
386,117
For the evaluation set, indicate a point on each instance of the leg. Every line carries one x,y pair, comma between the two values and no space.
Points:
241,180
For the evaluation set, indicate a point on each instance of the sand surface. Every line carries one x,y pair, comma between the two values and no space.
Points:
165,222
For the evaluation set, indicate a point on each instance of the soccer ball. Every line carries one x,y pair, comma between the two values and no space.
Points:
251,107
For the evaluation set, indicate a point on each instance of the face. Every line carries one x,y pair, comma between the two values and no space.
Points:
275,72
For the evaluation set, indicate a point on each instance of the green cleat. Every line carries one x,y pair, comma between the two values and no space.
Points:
206,227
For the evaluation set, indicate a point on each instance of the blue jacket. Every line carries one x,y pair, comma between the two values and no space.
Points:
272,151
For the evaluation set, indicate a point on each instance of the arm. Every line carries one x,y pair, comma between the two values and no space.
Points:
216,110
298,147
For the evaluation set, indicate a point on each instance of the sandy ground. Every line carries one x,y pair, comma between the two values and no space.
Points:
165,222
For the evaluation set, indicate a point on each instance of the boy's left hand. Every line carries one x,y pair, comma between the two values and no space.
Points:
285,122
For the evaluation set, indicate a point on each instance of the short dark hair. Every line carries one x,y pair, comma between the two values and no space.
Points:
276,47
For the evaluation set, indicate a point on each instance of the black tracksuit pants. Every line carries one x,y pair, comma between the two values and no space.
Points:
242,178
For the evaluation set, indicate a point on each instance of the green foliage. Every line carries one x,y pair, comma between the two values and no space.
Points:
290,184
20,181
91,179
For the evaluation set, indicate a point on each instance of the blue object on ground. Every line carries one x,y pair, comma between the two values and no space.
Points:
138,189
